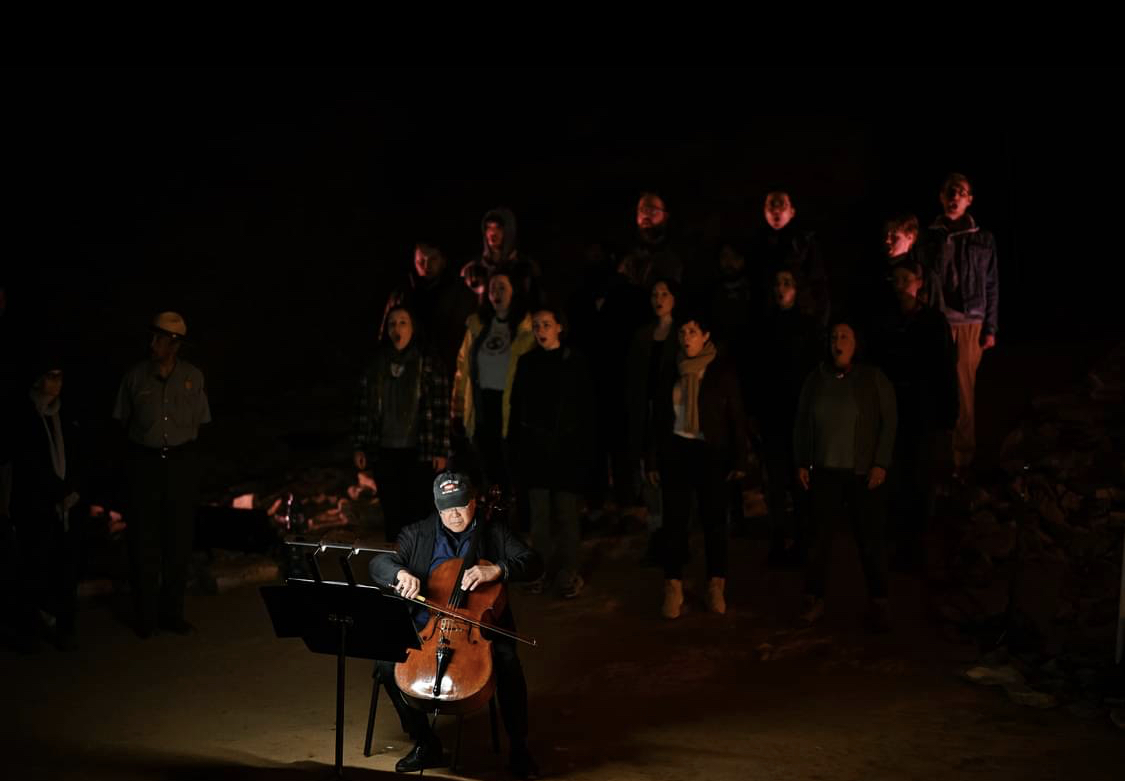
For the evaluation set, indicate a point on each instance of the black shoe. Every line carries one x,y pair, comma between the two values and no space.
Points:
20,642
906,564
178,627
422,757
573,588
878,617
521,764
628,524
654,553
65,640
776,557
535,586
812,610
797,558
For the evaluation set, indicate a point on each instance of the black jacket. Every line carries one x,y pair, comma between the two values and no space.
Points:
442,305
416,551
36,489
917,354
551,430
789,344
638,394
722,420
797,251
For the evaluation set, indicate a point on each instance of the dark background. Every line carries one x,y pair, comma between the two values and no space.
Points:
274,208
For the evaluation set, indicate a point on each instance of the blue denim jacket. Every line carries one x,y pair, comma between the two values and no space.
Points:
972,254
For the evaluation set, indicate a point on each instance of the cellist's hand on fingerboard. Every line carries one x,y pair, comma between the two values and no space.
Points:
483,572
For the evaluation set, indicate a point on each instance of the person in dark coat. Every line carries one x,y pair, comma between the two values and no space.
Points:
552,440
46,508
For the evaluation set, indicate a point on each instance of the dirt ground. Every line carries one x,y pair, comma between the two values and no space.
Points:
616,692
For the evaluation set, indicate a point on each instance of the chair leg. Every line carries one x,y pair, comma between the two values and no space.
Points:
492,723
377,681
457,745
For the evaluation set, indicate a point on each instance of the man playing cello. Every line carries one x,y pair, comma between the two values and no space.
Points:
501,556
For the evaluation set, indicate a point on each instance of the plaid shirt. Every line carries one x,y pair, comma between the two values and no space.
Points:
433,412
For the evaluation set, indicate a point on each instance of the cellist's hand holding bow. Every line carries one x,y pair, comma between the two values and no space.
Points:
408,585
483,572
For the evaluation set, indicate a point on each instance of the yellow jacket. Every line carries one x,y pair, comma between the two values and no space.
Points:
464,381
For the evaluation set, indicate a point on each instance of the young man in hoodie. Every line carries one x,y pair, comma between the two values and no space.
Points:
962,256
498,231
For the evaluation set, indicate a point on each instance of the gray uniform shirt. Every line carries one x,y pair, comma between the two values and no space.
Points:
158,412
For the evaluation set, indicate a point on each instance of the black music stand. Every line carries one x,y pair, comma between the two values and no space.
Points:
341,618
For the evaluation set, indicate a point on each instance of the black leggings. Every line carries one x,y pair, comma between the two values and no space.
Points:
690,468
832,489
488,439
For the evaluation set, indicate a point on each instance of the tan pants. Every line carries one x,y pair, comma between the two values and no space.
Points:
967,339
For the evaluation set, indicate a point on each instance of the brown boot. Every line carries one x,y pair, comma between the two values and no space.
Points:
812,610
716,602
673,598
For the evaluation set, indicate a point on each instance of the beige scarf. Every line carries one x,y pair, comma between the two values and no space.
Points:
691,376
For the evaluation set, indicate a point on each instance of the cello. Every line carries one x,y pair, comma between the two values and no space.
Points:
452,672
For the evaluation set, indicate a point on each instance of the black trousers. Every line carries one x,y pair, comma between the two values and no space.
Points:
781,479
912,487
405,488
496,459
511,691
612,475
163,492
690,468
49,559
833,489
488,439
